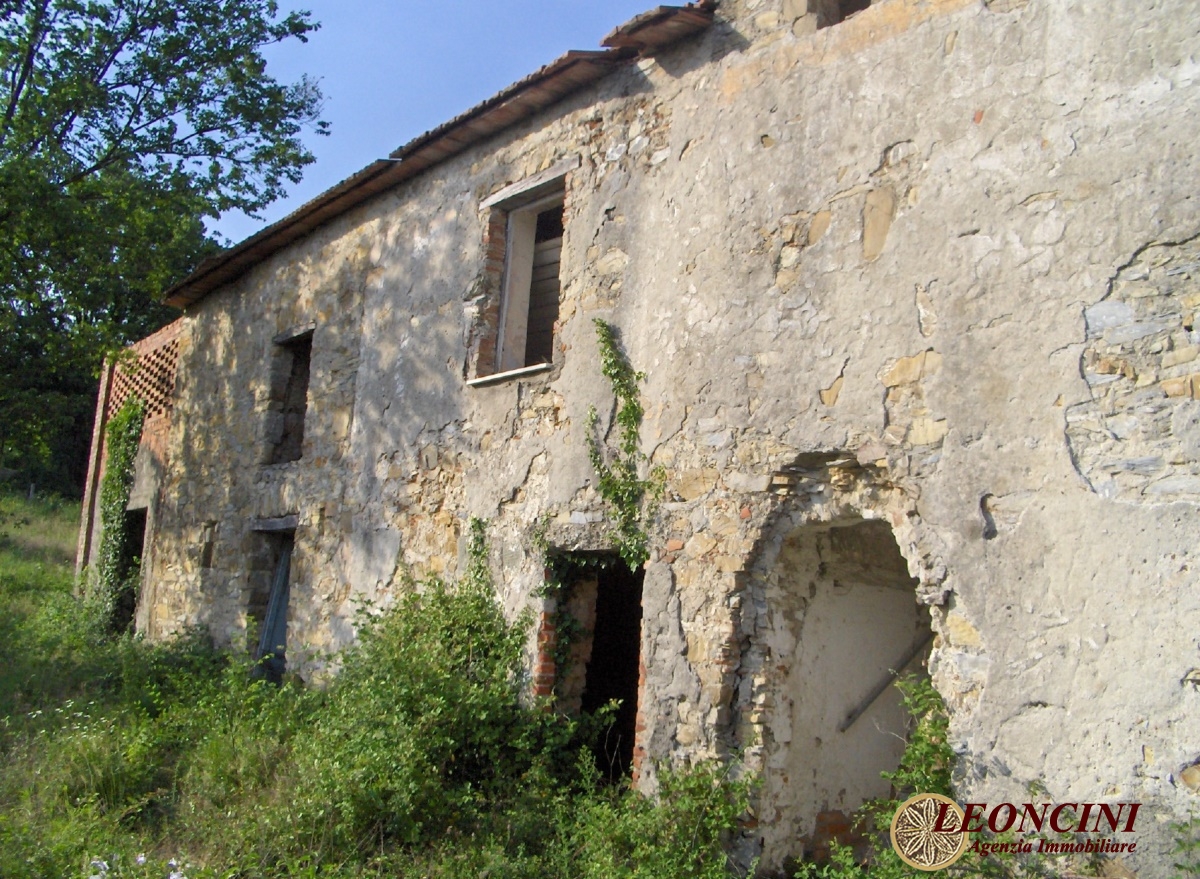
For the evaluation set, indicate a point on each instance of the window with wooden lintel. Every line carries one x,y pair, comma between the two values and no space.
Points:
531,284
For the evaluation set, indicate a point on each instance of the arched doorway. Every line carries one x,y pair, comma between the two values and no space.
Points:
843,621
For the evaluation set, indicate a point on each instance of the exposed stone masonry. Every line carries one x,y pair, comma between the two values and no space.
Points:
1138,438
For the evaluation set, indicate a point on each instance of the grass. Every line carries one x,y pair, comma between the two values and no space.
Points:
37,538
37,549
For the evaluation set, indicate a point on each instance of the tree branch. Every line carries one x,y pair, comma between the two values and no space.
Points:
36,35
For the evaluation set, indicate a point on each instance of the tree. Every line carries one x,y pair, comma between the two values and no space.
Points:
123,124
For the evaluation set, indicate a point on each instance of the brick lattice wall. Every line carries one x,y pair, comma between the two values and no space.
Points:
150,374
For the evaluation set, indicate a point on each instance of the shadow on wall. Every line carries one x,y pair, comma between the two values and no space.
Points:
306,393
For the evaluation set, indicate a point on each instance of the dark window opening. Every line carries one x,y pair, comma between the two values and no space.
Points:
831,12
209,539
129,570
294,363
614,664
268,607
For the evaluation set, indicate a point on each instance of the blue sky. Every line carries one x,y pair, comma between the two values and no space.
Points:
392,70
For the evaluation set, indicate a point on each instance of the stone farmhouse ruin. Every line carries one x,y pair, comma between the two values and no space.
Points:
915,288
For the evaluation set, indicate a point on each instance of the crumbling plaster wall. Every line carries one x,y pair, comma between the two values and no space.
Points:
877,241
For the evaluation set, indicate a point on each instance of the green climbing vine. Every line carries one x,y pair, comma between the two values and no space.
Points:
115,575
631,498
478,575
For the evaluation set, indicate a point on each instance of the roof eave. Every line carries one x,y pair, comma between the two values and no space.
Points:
521,100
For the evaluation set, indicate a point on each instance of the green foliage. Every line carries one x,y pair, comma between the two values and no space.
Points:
928,760
38,628
478,577
842,864
925,767
122,125
679,836
438,679
116,575
42,530
618,481
564,570
1187,846
129,760
88,738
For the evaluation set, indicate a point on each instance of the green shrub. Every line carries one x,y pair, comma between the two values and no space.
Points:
424,729
681,835
421,759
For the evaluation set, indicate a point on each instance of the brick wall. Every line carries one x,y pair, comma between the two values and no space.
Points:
146,371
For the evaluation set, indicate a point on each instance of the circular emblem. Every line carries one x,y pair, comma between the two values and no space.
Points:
920,841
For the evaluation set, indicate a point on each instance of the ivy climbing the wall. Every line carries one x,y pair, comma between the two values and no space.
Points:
478,576
631,499
117,571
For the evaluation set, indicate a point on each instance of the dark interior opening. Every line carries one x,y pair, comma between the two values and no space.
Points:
549,224
206,549
295,399
268,606
129,570
832,12
612,670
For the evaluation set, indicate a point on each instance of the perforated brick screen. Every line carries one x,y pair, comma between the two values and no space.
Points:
150,376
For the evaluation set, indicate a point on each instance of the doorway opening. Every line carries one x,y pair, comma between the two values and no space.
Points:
267,609
602,663
129,570
846,625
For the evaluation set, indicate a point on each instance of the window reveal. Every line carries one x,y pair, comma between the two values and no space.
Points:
531,284
289,398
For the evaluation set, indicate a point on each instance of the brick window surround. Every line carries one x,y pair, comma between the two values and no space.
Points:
512,332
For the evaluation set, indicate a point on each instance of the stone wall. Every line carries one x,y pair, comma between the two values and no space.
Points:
929,270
